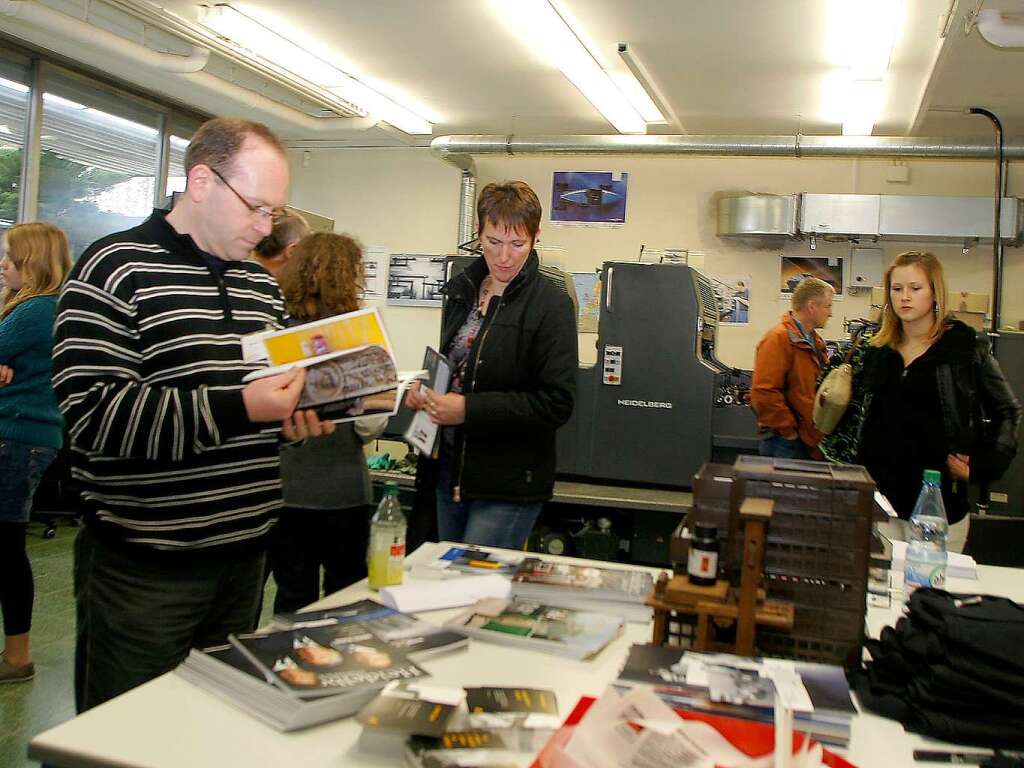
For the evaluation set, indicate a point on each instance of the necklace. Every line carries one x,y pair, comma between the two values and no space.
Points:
485,294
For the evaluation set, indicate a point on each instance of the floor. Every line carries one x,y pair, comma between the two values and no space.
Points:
30,708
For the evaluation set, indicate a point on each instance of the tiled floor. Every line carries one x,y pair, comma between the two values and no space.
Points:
29,708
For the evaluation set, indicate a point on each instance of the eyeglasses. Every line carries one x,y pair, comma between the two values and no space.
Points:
259,210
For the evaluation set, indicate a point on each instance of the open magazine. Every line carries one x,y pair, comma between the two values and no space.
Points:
349,362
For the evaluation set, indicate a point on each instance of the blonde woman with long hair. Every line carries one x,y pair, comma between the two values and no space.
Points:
936,398
34,261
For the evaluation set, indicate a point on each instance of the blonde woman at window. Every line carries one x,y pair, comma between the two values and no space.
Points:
35,259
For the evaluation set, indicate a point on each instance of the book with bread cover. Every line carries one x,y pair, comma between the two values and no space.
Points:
227,673
326,659
530,624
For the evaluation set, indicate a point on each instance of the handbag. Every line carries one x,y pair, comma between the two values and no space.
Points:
833,394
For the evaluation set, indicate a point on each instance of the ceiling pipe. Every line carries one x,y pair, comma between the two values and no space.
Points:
995,29
84,42
734,146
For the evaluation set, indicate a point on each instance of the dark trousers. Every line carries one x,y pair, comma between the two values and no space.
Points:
16,588
781,448
306,539
138,616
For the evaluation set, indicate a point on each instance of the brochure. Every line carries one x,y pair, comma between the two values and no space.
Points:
588,587
423,434
527,623
349,362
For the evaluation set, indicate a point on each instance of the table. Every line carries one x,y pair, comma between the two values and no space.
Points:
170,723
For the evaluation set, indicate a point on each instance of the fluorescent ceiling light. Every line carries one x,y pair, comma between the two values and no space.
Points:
862,105
638,97
541,27
267,44
862,34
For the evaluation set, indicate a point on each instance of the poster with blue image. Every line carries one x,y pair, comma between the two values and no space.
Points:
589,197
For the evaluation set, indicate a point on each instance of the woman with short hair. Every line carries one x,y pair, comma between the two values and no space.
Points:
35,259
510,336
936,398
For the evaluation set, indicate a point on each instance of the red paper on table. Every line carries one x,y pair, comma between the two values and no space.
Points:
750,738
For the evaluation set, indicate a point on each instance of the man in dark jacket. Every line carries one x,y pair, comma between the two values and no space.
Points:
510,336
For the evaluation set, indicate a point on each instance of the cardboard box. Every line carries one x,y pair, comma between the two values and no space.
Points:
878,296
963,301
974,319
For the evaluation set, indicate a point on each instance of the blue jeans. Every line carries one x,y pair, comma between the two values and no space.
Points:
782,448
485,523
21,468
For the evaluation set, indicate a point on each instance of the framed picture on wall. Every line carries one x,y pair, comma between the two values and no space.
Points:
794,269
733,295
597,198
415,280
588,295
375,260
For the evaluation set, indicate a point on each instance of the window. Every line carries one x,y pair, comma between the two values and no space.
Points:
98,164
176,165
14,95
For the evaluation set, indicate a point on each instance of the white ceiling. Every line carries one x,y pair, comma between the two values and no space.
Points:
724,66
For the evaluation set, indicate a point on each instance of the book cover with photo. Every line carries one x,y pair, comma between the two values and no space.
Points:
349,362
527,623
325,659
587,587
736,687
414,637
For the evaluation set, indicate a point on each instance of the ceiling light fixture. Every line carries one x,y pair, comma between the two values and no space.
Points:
265,43
640,88
865,32
543,28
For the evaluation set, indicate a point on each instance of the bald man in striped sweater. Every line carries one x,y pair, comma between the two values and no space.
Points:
177,460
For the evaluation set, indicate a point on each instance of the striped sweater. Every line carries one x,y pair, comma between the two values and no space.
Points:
147,370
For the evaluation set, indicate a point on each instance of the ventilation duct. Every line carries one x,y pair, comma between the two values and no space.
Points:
999,30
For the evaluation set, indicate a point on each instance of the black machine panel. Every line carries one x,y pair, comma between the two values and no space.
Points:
1008,491
644,411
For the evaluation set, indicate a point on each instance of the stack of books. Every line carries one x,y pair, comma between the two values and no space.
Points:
737,687
404,710
554,629
621,591
311,668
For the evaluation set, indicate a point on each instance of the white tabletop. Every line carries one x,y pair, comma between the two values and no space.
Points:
169,722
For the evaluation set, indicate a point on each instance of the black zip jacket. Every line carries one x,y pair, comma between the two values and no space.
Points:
520,384
952,399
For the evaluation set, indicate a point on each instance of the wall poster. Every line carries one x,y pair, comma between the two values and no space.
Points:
415,280
733,294
796,268
596,198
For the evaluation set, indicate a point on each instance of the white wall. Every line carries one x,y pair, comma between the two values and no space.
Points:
408,201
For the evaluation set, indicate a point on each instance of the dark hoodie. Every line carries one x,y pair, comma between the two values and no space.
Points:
913,421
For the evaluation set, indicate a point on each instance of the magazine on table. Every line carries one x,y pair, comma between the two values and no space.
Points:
349,362
325,659
406,709
423,434
723,684
525,716
479,748
462,559
228,674
527,623
619,590
414,637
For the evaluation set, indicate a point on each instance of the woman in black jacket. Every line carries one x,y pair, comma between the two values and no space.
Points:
510,336
936,398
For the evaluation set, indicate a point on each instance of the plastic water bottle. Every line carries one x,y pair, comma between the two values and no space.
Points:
386,554
926,542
